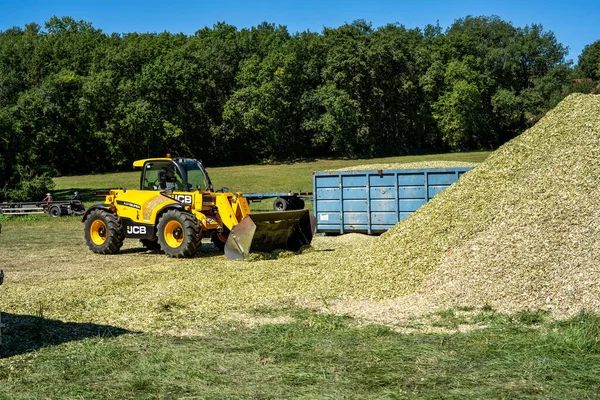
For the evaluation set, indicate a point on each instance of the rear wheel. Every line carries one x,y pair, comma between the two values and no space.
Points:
178,234
280,204
103,233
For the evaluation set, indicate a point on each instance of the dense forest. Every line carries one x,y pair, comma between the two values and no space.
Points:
74,100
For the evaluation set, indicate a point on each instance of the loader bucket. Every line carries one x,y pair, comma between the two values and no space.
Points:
265,232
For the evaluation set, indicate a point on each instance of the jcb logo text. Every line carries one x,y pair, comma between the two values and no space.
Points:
183,198
136,230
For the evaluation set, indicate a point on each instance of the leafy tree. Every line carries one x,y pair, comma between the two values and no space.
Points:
76,100
589,61
459,111
31,187
494,68
338,124
264,110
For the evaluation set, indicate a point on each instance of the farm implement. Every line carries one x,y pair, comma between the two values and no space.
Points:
53,208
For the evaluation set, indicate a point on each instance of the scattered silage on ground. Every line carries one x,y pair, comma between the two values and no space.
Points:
521,231
57,277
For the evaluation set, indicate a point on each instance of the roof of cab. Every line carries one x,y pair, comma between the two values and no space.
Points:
140,163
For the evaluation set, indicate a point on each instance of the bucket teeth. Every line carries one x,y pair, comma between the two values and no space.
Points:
265,232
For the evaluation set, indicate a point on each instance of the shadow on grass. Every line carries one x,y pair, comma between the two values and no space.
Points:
26,333
206,250
136,250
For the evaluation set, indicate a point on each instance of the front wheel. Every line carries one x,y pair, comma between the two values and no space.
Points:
219,240
178,234
103,233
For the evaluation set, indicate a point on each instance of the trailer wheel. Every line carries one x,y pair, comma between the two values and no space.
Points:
55,211
103,233
178,234
280,204
296,203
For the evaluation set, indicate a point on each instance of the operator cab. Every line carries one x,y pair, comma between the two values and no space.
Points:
177,175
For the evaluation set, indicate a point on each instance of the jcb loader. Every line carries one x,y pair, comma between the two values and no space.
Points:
176,206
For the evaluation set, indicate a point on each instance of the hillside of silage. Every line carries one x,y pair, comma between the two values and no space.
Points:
522,230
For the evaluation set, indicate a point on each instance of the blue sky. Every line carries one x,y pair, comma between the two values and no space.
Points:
575,23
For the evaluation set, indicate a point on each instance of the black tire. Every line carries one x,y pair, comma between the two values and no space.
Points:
178,234
150,244
103,232
280,204
296,203
55,211
219,244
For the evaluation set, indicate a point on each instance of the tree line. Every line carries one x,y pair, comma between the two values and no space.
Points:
74,100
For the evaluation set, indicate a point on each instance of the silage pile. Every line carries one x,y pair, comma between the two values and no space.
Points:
521,231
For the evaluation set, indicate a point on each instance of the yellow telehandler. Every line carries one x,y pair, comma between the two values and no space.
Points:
176,206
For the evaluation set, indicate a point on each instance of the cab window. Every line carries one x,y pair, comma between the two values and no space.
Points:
161,176
195,175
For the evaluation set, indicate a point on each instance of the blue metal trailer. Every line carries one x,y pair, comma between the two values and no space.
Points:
376,200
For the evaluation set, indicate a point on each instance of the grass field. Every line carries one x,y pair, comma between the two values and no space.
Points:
141,325
250,178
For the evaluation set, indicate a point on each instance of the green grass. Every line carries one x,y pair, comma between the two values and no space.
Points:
317,356
247,179
141,325
258,178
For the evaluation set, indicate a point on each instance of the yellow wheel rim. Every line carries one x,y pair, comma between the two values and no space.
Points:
98,232
173,234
